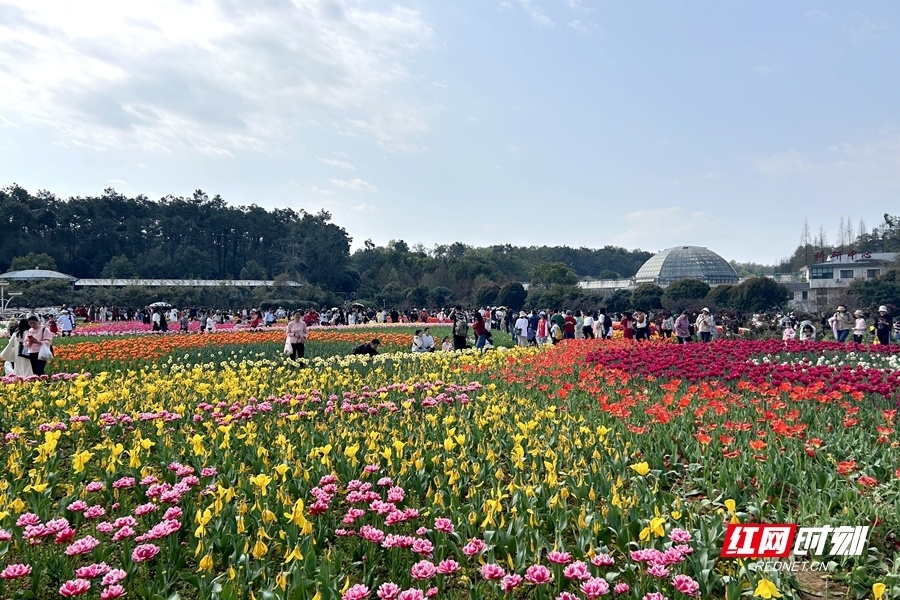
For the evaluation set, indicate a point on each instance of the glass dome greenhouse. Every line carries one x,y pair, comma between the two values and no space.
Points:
686,262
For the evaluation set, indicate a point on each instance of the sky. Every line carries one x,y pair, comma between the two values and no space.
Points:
643,124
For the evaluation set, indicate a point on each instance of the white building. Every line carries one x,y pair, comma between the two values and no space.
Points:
825,282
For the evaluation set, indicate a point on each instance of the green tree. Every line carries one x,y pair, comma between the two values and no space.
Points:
118,267
440,296
721,296
33,260
486,294
253,270
549,274
618,301
512,295
647,296
759,294
686,289
417,296
884,289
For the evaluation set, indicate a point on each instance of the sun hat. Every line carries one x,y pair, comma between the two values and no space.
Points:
841,308
704,310
522,313
858,313
882,308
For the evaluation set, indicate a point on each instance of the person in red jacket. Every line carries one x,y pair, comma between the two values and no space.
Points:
480,330
627,327
569,326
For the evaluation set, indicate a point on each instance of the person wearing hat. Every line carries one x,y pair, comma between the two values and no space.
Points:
841,323
460,327
704,325
521,328
883,325
859,326
542,332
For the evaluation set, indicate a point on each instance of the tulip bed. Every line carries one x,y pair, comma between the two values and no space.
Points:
583,470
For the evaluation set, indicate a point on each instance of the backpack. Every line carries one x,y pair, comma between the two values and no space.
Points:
557,332
460,327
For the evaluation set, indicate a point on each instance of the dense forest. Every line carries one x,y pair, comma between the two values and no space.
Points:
114,236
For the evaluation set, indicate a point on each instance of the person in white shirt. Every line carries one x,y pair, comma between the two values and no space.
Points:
417,345
587,326
859,327
66,324
521,328
428,340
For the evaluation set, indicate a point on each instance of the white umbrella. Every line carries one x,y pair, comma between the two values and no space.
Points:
160,305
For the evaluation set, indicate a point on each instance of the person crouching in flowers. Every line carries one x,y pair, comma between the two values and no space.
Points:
368,349
296,336
789,334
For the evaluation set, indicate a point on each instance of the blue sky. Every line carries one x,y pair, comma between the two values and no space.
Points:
641,124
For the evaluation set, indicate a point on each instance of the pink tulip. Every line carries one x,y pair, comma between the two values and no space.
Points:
424,569
686,585
92,571
621,588
447,566
538,575
567,596
679,536
388,591
559,558
74,587
144,552
443,525
603,560
356,592
411,594
577,570
113,591
474,547
115,576
595,587
492,571
510,582
15,571
82,546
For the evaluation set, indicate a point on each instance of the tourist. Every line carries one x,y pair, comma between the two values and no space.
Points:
883,325
184,322
579,324
447,344
37,340
543,329
683,328
641,326
155,319
428,339
66,323
368,349
807,331
569,326
897,331
705,325
667,326
627,327
841,323
296,336
587,326
521,328
859,327
479,328
269,318
460,327
417,344
789,334
16,352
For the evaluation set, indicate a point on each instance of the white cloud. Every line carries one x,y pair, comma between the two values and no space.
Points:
395,129
214,76
365,207
783,163
337,163
355,185
876,159
581,26
866,31
120,182
535,13
659,228
816,14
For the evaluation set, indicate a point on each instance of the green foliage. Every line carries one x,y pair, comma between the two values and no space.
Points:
647,296
759,294
440,296
885,289
618,301
685,289
486,294
720,297
175,237
253,270
36,294
512,295
417,296
118,267
553,273
32,260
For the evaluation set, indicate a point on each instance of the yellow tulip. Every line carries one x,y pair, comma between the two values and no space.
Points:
766,589
261,481
641,468
259,549
878,590
206,564
80,459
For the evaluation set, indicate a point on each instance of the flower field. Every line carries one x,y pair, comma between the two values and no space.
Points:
583,470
